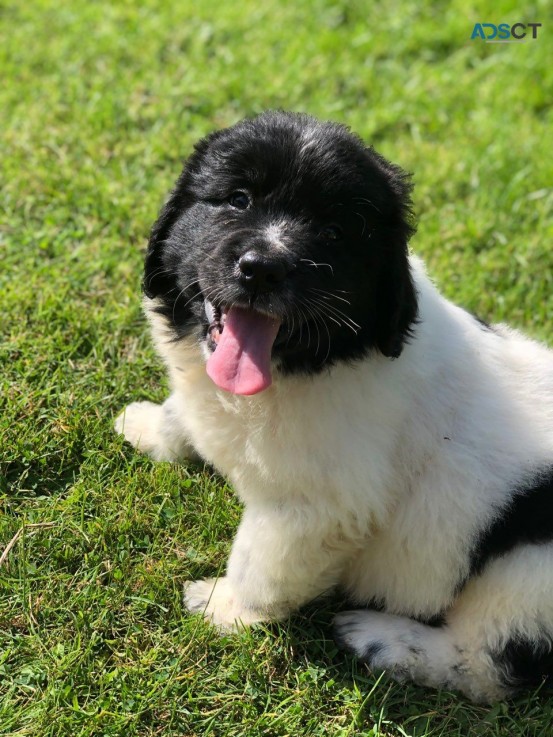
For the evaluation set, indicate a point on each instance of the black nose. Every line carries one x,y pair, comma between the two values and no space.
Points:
261,273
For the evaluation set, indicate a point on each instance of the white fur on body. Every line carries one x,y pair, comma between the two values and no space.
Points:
377,476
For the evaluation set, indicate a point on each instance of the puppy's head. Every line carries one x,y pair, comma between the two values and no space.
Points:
283,246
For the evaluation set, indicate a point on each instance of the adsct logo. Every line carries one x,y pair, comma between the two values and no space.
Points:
504,33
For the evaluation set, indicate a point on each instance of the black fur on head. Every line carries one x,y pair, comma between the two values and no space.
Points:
309,196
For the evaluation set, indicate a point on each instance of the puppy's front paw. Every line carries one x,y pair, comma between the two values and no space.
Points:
139,423
219,605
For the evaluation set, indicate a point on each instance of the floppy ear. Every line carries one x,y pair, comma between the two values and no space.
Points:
156,280
157,277
396,305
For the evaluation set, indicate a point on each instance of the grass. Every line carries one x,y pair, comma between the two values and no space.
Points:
101,102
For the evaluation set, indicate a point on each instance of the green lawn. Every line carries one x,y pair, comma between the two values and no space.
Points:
100,102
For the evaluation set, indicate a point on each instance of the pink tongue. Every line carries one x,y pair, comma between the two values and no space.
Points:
241,363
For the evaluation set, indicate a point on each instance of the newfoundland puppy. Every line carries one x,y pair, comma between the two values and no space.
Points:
382,439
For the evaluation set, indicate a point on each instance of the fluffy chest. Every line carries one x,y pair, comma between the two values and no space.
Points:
327,439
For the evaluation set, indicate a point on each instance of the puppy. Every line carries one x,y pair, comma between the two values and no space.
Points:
381,439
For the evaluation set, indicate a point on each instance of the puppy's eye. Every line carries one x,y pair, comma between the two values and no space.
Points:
240,200
331,232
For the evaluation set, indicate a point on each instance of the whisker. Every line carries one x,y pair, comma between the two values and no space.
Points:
308,330
364,222
182,291
157,272
367,202
335,315
301,319
194,281
325,303
329,295
334,309
293,326
194,296
175,305
339,313
323,323
316,265
313,315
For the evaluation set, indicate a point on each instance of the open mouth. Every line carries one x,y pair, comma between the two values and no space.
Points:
241,340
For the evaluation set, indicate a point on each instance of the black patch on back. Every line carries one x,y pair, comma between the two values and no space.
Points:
524,663
526,520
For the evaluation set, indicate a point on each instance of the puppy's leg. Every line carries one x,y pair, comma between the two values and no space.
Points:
278,562
156,429
406,649
497,636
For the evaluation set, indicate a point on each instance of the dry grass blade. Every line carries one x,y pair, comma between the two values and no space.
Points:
18,534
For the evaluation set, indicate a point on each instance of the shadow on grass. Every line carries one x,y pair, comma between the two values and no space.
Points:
24,479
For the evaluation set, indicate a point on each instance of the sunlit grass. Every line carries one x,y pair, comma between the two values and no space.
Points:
100,103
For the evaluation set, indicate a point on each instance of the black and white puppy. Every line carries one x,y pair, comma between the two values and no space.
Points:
382,439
